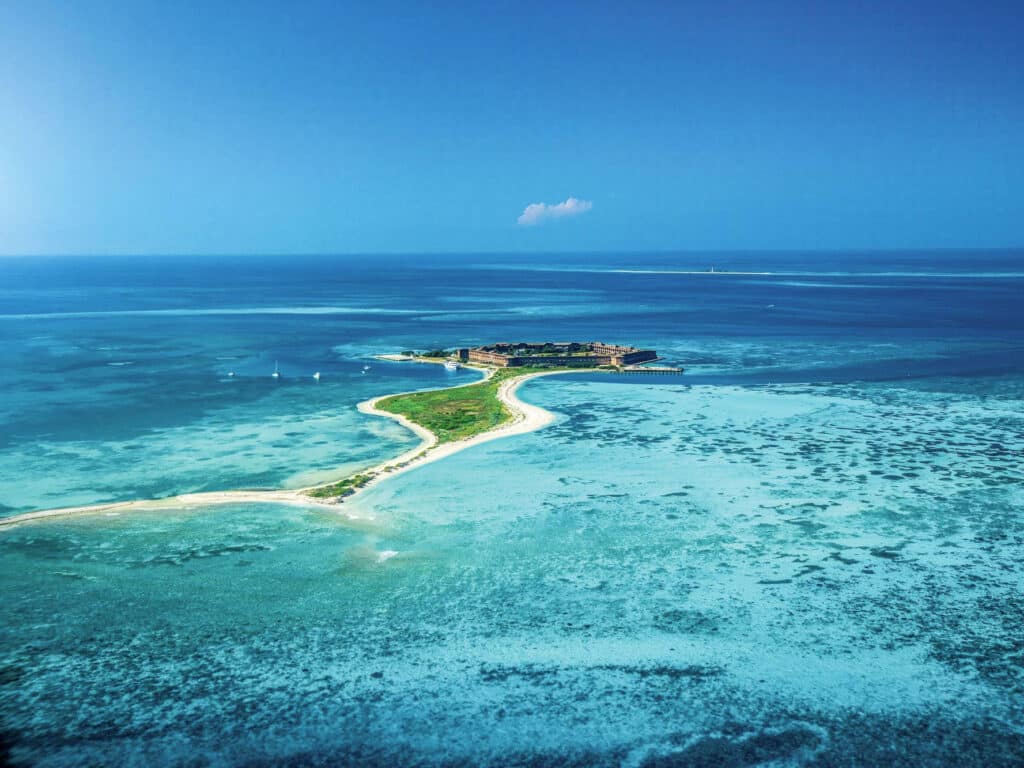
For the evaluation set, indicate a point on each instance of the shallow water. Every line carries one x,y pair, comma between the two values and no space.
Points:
697,570
167,418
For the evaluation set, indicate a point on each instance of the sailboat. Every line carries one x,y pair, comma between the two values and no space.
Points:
316,376
277,373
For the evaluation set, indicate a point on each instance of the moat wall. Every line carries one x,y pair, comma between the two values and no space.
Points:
604,354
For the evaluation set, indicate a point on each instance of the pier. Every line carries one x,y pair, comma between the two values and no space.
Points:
652,369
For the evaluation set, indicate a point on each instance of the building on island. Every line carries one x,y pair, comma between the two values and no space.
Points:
585,354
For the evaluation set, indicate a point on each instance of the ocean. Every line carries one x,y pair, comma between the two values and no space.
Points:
806,550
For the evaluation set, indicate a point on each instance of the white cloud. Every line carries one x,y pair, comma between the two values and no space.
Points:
537,213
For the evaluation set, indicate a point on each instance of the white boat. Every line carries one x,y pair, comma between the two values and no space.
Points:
366,367
317,375
276,374
231,374
451,365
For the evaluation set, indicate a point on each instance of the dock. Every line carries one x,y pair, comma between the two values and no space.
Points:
652,369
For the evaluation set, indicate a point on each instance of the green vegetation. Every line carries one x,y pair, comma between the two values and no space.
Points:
431,354
572,349
452,414
457,412
343,488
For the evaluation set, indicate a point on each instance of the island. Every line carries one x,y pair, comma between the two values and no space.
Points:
454,418
447,420
574,354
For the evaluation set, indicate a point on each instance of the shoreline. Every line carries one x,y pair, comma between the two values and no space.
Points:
525,418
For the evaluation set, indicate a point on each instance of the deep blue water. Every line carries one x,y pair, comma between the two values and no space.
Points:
805,550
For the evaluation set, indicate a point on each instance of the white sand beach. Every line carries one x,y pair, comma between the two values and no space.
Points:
525,418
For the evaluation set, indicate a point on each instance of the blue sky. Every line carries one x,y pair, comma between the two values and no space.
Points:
141,127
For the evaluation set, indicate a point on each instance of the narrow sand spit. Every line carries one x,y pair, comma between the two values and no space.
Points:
525,418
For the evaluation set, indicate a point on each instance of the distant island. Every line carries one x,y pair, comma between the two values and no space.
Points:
447,420
574,354
546,354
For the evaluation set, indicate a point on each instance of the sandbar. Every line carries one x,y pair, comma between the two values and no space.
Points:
525,418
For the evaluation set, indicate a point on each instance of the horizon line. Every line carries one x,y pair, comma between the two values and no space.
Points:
610,252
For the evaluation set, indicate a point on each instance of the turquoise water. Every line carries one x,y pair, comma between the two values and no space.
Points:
805,551
142,423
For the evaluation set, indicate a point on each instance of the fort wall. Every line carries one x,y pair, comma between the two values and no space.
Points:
510,355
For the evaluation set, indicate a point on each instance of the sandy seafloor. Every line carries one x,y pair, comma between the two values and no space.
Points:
703,570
